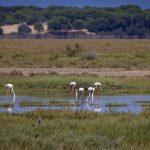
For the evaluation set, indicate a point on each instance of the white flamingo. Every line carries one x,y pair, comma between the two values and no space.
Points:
74,91
98,86
91,91
81,92
9,90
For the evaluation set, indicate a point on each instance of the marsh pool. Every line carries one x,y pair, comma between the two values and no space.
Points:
109,103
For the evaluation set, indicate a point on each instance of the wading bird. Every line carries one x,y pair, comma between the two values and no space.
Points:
91,91
98,87
74,91
9,90
81,92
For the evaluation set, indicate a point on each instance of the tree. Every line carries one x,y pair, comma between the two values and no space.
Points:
101,24
131,8
59,23
1,31
78,24
24,29
39,27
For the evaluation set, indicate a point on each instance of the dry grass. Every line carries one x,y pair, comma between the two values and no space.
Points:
52,53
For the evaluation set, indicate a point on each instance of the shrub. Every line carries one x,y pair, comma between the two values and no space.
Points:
89,55
39,27
24,29
73,50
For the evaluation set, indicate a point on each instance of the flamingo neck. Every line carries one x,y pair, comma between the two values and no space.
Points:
13,92
76,93
92,95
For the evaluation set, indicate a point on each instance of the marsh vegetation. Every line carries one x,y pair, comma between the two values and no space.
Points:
58,83
75,130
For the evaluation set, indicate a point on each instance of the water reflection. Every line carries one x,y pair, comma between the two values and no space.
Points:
99,104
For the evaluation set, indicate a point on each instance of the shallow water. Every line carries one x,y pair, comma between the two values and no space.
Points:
98,104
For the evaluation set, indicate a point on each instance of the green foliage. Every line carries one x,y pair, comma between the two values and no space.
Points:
39,27
98,20
24,29
59,23
78,24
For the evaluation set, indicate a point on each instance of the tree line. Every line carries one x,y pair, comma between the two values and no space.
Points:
123,20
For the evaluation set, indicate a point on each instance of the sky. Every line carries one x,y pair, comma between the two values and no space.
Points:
145,4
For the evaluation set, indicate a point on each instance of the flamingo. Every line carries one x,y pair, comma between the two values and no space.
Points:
81,91
73,86
10,89
91,91
98,86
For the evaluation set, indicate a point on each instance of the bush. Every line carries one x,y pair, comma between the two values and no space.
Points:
73,50
39,27
89,55
24,29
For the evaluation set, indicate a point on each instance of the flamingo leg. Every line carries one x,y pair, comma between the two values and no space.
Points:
7,92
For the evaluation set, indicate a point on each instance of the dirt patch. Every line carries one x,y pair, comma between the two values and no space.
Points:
80,71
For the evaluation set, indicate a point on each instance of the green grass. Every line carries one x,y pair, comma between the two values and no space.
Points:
6,105
116,105
53,103
75,130
55,83
114,53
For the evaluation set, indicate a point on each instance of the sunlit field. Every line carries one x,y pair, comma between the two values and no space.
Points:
82,53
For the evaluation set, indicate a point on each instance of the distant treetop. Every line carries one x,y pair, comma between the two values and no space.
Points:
123,20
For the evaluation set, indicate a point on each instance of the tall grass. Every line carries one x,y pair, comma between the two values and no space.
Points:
75,130
53,53
61,83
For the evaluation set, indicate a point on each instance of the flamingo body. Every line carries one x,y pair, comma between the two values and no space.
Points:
73,85
91,91
9,87
81,89
98,86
